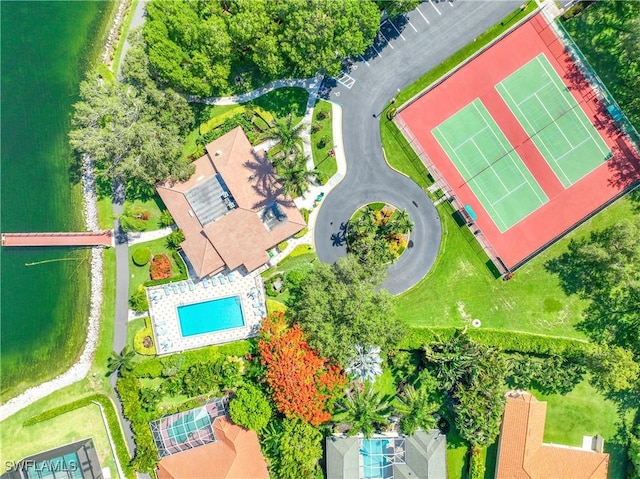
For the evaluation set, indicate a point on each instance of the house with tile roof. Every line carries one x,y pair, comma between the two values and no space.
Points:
204,443
231,210
423,455
523,455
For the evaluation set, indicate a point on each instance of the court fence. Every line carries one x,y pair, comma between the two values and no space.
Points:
596,82
451,197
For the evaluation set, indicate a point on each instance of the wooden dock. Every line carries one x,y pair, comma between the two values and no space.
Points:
85,238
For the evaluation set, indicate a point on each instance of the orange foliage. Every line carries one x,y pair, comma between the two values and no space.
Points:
160,267
302,382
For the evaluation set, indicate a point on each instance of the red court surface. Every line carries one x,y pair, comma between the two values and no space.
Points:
566,207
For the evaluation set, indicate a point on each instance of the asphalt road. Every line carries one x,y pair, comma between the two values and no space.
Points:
401,54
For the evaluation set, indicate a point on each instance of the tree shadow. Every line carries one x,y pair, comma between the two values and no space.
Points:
624,166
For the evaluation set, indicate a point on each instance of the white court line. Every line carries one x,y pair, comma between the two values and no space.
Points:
386,39
398,31
515,189
588,130
508,150
477,191
434,6
490,166
571,151
422,15
554,121
549,156
535,92
471,138
414,28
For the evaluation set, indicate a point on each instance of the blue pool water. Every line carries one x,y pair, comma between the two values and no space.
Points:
374,462
210,316
63,467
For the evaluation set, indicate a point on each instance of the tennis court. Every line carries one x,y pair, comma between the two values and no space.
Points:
554,120
489,165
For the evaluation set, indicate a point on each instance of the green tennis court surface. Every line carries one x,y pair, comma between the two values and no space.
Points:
553,119
489,165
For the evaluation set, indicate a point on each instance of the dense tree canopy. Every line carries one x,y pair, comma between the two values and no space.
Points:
133,131
250,408
473,375
193,44
339,306
301,381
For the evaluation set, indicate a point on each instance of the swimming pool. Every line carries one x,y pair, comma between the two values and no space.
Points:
210,316
373,459
62,467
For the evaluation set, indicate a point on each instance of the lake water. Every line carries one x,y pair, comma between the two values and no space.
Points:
46,47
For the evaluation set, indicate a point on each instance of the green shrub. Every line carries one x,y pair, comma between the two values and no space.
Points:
301,233
165,218
112,421
300,250
322,142
508,341
282,246
250,408
268,285
138,340
305,214
266,116
322,177
138,301
476,465
175,238
316,126
322,115
141,256
259,123
128,223
148,368
218,120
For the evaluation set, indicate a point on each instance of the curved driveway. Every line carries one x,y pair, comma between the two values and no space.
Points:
422,46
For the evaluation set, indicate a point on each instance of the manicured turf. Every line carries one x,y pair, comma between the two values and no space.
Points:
154,206
553,119
584,412
321,159
488,163
140,274
460,287
72,426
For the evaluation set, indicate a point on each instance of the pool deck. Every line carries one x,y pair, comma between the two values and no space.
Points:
164,314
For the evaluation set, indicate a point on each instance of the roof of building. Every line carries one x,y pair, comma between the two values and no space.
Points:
419,456
522,454
235,455
232,209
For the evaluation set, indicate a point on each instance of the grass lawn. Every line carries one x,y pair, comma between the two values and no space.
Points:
132,328
460,287
278,102
69,427
154,206
584,412
608,34
140,274
321,159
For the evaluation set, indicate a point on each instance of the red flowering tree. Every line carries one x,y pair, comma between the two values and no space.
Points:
160,267
302,382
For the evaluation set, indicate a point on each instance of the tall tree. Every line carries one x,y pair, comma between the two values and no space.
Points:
363,409
302,382
416,407
340,306
293,448
250,408
395,8
122,362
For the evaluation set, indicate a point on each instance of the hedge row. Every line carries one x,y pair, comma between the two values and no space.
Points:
112,421
220,119
152,368
301,233
508,341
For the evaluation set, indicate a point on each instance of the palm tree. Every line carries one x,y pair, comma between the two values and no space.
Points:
122,361
294,180
365,410
366,364
399,223
286,133
416,409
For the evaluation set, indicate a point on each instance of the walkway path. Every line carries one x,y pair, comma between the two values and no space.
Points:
82,238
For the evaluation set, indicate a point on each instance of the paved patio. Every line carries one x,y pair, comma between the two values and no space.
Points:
164,313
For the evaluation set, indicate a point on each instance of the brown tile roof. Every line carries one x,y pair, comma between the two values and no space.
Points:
239,237
235,455
522,455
